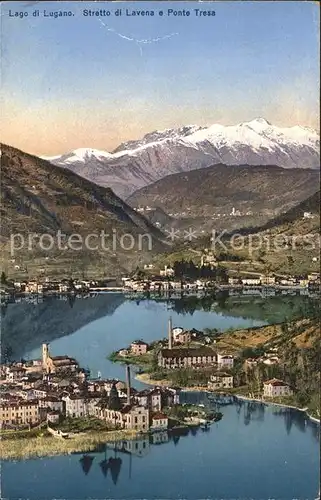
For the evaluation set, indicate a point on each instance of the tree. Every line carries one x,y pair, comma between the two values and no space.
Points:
3,278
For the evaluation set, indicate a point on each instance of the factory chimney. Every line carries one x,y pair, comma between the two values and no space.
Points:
170,333
128,383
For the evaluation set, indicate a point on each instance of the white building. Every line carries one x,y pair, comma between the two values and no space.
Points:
225,360
77,405
233,281
308,215
176,331
275,387
167,271
251,281
52,403
148,266
159,421
220,381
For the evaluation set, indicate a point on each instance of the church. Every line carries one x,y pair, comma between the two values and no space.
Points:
54,364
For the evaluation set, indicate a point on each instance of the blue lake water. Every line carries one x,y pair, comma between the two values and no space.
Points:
255,452
147,320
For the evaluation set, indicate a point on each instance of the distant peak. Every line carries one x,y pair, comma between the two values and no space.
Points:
260,121
85,152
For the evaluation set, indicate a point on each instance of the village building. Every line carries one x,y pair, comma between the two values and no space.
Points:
81,405
225,361
303,282
19,412
234,281
208,259
52,403
159,421
314,277
251,281
53,417
128,417
150,398
138,347
157,398
167,271
267,280
148,267
288,282
220,381
184,337
34,366
34,287
102,385
176,331
275,387
123,352
15,373
179,358
41,391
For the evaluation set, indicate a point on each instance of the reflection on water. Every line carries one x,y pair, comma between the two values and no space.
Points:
28,322
229,460
248,412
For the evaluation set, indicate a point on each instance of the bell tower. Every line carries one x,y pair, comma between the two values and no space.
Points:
45,355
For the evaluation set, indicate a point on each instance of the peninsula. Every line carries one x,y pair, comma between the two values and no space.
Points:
275,363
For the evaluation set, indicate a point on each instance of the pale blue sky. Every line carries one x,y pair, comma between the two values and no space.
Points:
70,82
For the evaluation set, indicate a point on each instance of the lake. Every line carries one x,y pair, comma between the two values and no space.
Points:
255,452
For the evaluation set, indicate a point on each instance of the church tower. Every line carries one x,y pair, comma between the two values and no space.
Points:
45,356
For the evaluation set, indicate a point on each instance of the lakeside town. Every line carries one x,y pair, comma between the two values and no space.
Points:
167,280
55,396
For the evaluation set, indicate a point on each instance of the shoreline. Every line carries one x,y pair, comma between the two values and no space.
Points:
49,446
148,381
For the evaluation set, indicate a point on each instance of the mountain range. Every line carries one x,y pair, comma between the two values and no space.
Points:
214,190
135,164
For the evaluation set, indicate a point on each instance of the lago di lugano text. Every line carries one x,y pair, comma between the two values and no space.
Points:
98,13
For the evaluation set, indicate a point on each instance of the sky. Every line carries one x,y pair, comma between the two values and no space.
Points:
81,81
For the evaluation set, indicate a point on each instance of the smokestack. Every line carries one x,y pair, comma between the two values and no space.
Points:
128,383
170,333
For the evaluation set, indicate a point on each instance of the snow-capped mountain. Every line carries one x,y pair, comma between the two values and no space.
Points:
135,164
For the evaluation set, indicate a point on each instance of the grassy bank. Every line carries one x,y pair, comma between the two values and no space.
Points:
47,445
142,360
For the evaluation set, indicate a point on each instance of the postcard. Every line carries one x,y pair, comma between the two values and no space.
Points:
160,242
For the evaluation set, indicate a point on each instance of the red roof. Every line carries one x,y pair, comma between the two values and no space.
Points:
159,416
275,382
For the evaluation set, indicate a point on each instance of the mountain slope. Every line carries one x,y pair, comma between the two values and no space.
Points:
38,197
219,188
135,164
293,221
